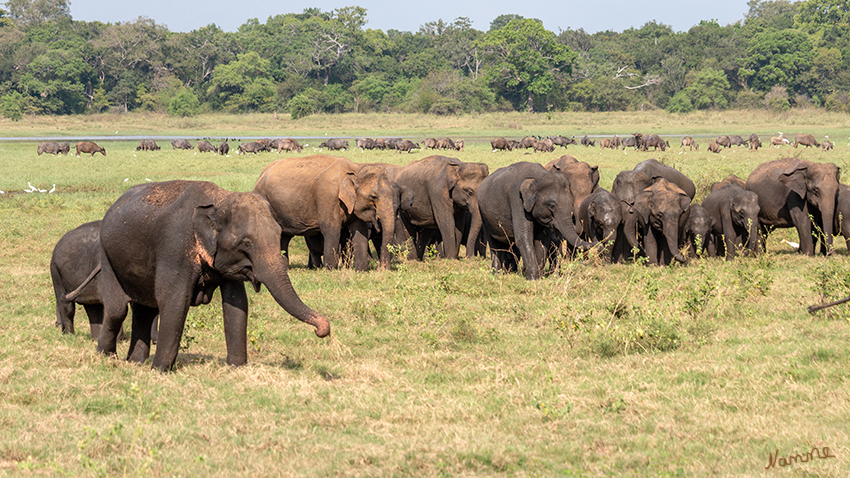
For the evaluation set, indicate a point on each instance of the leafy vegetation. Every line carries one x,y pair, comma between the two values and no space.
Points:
329,62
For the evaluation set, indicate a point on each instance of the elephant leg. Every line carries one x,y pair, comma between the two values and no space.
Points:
155,329
650,244
331,236
65,311
172,319
359,240
95,314
444,217
524,232
315,248
140,337
234,303
800,218
114,310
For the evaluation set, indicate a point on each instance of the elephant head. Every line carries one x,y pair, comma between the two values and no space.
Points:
629,184
463,181
661,210
240,239
699,228
584,179
604,215
367,194
817,184
547,200
744,210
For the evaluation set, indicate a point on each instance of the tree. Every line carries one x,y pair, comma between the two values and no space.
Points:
776,58
12,106
243,83
35,12
499,22
526,57
184,103
708,90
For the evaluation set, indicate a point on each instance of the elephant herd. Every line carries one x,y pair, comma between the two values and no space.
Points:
524,212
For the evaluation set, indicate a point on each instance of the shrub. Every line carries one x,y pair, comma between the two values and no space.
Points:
184,103
680,103
12,106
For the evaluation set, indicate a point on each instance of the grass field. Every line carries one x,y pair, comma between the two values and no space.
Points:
434,368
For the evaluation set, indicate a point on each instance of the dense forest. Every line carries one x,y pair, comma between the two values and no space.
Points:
781,55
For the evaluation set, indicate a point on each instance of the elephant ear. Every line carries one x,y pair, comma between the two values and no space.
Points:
203,223
591,209
684,202
452,173
795,179
528,193
348,192
594,175
405,196
641,206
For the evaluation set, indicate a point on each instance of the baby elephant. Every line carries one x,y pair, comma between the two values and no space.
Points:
76,255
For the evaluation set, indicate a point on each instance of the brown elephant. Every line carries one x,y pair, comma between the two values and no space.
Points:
791,192
322,194
728,180
444,191
661,213
583,181
601,218
735,219
842,213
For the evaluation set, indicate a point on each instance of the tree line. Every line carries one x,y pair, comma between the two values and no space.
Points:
781,55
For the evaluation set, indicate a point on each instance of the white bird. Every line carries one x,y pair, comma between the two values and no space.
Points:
116,132
32,188
52,189
792,244
2,192
146,179
126,179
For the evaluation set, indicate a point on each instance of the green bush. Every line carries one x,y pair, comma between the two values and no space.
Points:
302,105
184,103
680,103
12,106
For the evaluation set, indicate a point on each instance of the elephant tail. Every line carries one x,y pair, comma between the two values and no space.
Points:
70,296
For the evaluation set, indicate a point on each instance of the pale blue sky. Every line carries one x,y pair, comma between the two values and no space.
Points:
592,15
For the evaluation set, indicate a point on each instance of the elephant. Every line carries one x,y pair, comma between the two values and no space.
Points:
690,143
89,147
656,171
584,179
661,214
790,191
501,144
627,185
51,147
519,204
335,145
444,190
698,231
601,218
735,219
806,140
206,147
321,195
77,254
842,213
729,180
168,246
223,148
181,144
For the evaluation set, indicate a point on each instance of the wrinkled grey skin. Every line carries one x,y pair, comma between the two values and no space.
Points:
842,213
791,192
519,204
601,217
698,232
735,220
215,239
661,214
656,171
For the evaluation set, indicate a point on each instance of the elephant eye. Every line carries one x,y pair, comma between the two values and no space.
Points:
816,191
247,243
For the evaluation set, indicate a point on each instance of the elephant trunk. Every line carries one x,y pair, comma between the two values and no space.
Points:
273,273
567,230
828,217
474,228
630,225
755,236
386,218
671,235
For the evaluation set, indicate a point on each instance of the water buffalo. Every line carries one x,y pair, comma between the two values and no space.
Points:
335,144
147,145
252,147
206,147
562,141
445,143
406,145
755,142
545,146
724,141
653,141
585,141
806,140
501,144
736,140
287,144
779,141
49,148
223,148
368,143
826,145
181,144
689,142
89,147
713,147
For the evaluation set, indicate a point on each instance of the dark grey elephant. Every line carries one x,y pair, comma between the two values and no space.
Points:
655,170
735,219
215,239
444,190
601,218
698,232
842,213
519,204
661,214
791,192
